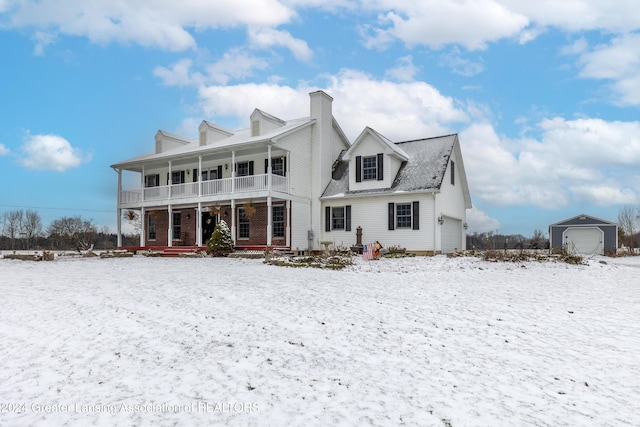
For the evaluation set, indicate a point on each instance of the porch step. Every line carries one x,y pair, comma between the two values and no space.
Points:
174,252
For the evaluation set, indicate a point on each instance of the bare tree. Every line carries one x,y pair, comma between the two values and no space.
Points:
12,225
32,225
627,221
538,241
73,231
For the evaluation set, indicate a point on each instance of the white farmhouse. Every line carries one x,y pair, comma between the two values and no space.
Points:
298,184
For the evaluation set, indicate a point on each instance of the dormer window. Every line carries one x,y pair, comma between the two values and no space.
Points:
369,168
255,128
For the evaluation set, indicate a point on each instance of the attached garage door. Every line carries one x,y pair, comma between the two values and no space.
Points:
451,235
584,240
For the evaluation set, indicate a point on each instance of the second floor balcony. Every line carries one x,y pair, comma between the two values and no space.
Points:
213,190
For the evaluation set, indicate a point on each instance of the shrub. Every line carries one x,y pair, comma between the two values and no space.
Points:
220,243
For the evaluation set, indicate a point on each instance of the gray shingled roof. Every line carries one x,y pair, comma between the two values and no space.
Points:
425,169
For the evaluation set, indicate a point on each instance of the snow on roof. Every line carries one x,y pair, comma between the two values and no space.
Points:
424,169
236,140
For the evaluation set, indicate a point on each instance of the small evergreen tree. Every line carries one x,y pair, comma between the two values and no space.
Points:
220,242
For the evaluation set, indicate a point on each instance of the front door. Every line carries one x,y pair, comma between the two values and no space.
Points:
208,225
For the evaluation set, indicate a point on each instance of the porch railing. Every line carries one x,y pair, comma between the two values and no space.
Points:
214,187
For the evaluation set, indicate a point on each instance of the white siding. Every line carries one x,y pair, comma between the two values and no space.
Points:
371,214
369,146
300,220
451,202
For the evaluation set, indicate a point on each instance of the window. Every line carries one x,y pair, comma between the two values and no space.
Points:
278,221
369,164
404,215
453,173
243,224
278,166
369,167
244,168
255,128
203,138
338,218
177,225
151,227
152,180
177,177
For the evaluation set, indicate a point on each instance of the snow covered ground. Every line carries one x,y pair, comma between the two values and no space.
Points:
425,341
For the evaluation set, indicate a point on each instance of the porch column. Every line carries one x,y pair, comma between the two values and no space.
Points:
199,225
233,196
233,221
142,183
170,228
269,210
118,209
288,223
199,178
143,233
170,183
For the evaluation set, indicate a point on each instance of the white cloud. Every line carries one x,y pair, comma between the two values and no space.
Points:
480,222
460,65
269,37
580,15
619,62
436,23
4,150
158,23
178,75
405,71
574,161
399,111
235,64
42,40
50,152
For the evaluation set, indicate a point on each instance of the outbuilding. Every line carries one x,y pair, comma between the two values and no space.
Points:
584,234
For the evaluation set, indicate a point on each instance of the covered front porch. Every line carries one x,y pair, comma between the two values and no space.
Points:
253,223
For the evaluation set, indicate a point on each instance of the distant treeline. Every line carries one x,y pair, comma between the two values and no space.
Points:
23,230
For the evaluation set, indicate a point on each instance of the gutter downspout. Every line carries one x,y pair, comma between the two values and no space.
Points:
118,209
434,223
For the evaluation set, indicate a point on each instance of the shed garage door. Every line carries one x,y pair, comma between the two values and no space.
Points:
584,240
451,235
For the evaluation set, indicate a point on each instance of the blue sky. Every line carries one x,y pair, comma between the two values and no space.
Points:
544,95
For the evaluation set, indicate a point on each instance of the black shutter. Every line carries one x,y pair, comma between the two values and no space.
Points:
347,218
392,216
453,173
219,171
251,167
266,165
168,182
415,220
181,177
358,168
327,218
195,175
284,166
157,180
380,166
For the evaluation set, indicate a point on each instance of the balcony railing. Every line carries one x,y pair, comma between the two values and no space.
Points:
243,184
